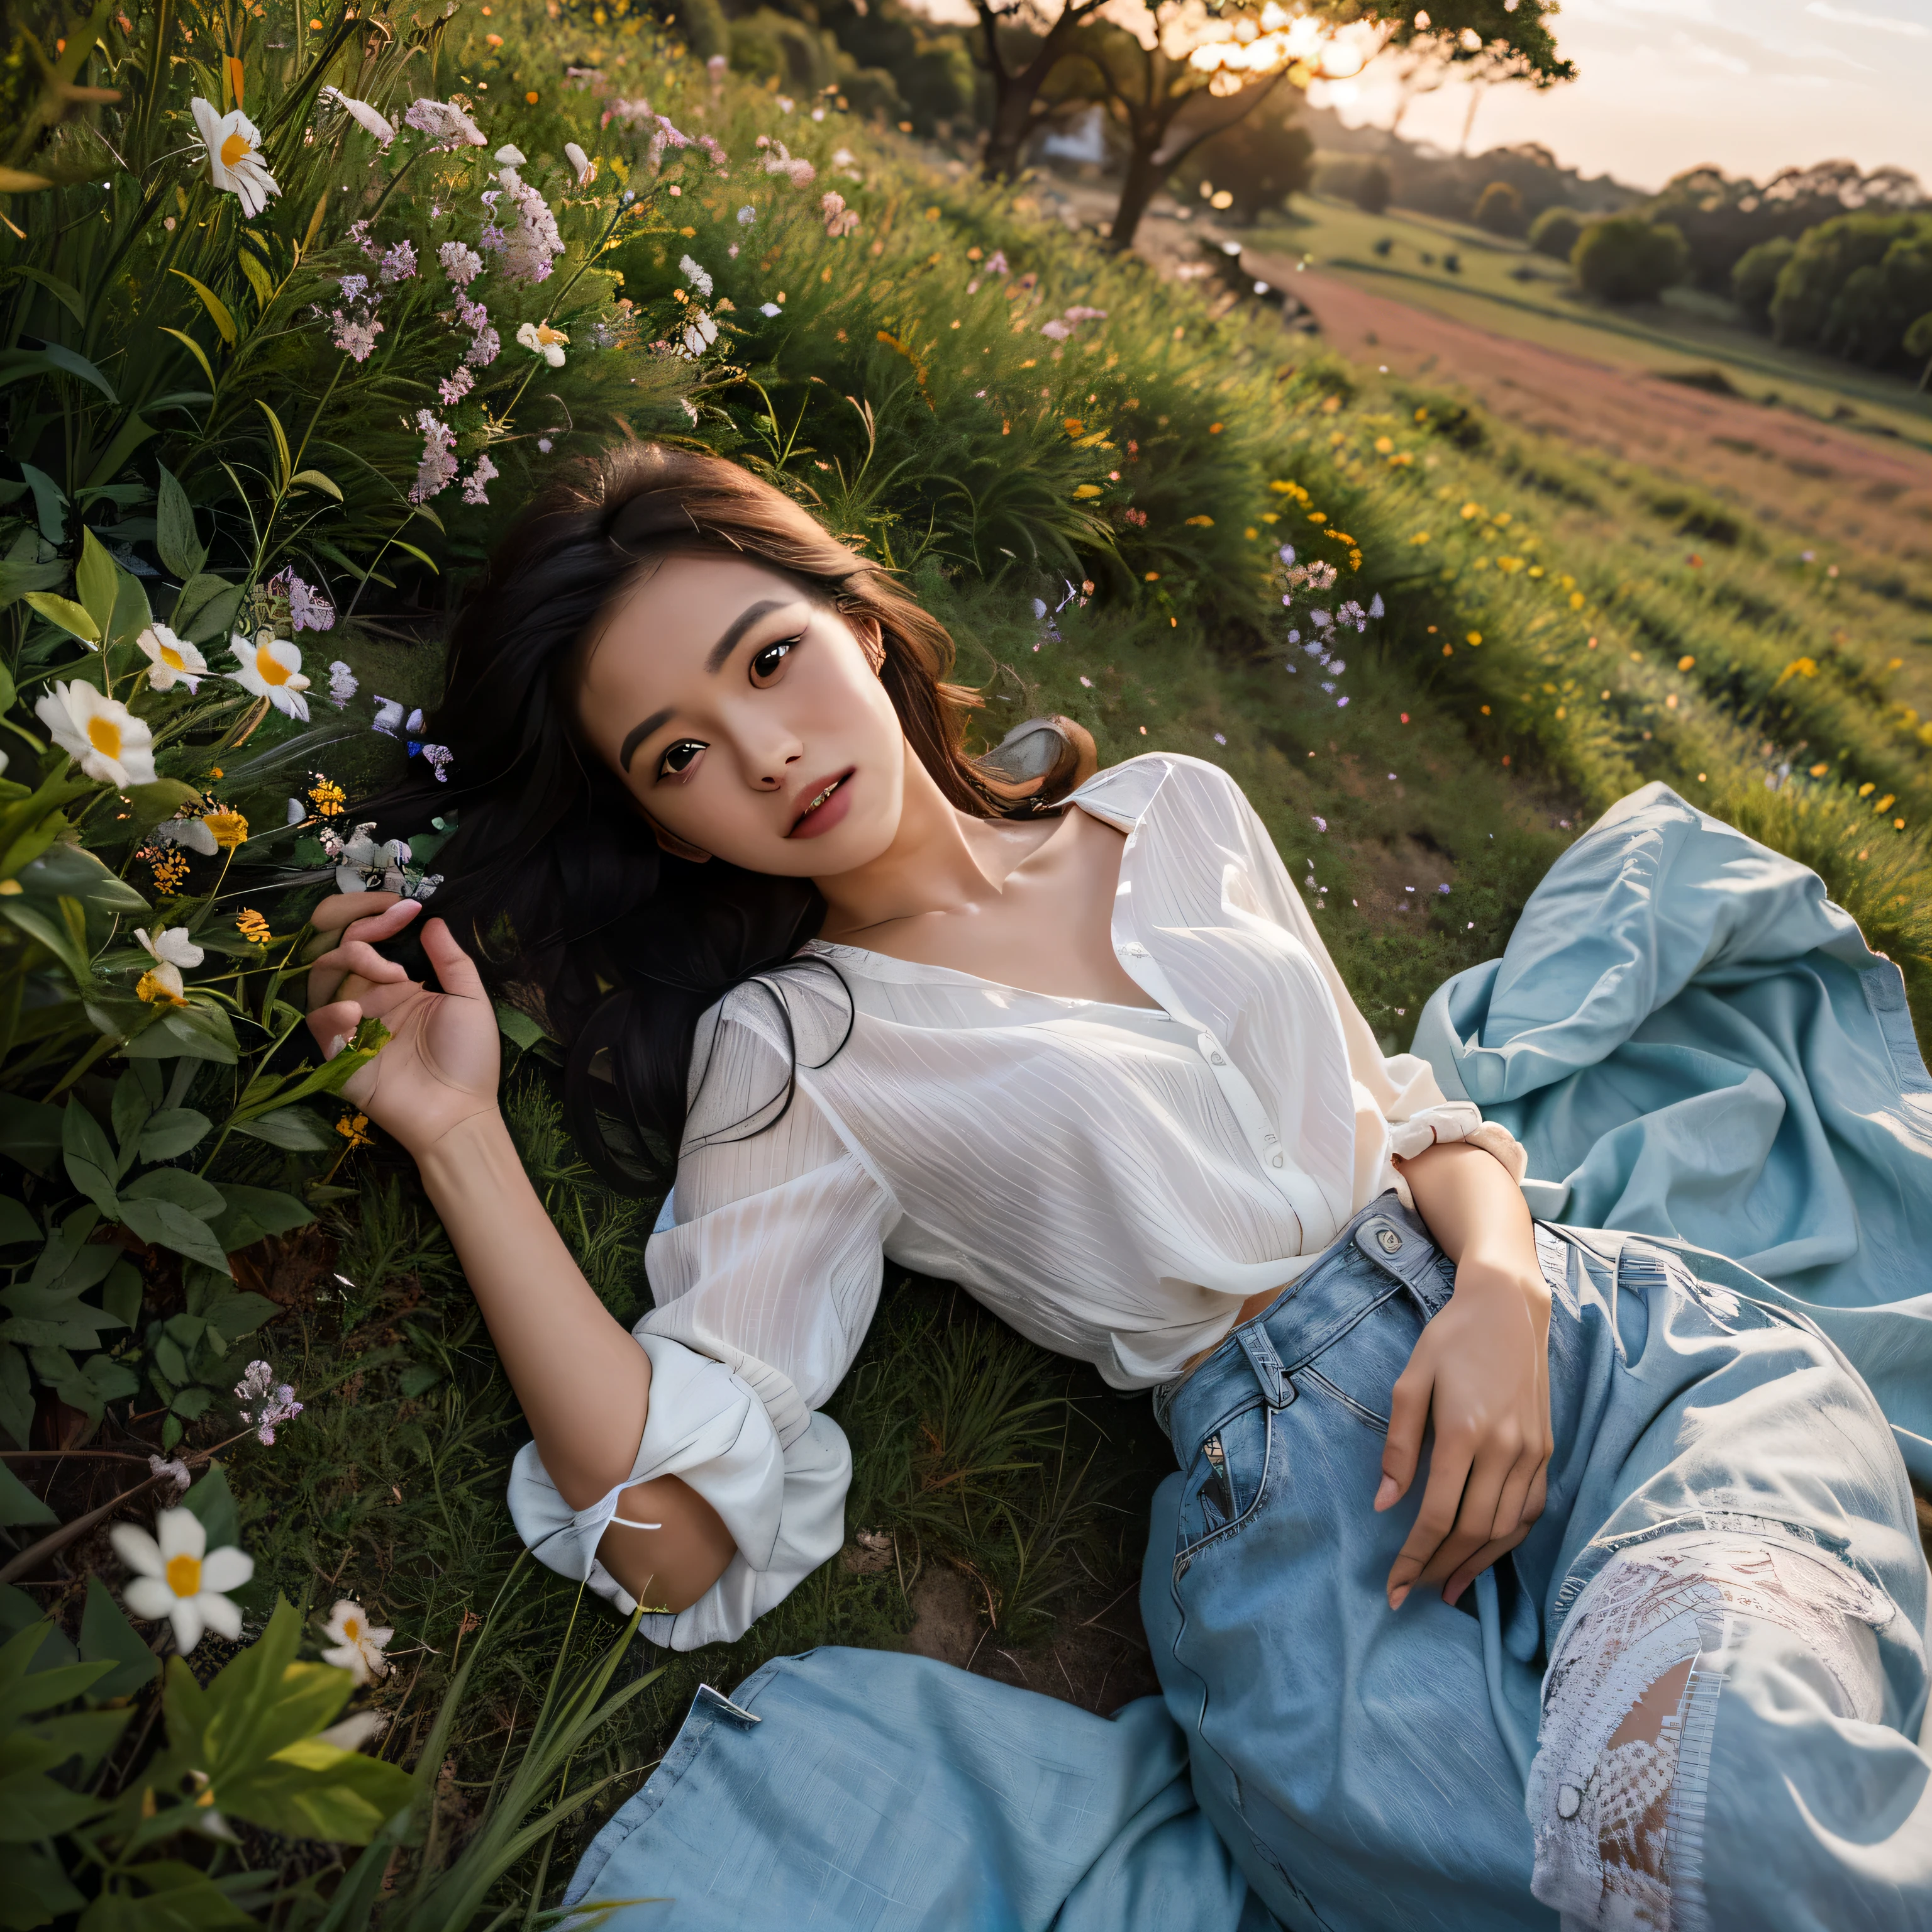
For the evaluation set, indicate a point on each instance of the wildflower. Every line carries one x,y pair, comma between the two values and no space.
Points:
483,349
798,172
358,1644
540,339
354,1128
996,263
388,715
460,264
363,115
528,251
715,68
440,758
110,743
173,660
1321,823
840,220
270,667
363,865
399,263
474,491
581,165
842,158
1136,518
696,275
341,684
228,829
631,112
309,610
454,388
747,215
715,154
769,308
175,1469
355,335
329,796
252,927
511,155
700,333
1375,605
436,470
268,1406
233,144
666,137
170,950
176,1576
444,122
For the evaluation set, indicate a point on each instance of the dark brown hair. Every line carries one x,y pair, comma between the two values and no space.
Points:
553,876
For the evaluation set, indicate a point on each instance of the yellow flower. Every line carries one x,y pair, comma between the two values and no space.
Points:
328,797
1205,523
229,828
1685,663
1087,490
353,1128
252,927
156,989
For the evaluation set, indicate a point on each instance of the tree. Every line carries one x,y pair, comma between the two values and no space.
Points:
1556,231
1627,258
1499,210
1754,278
1919,346
1853,284
1024,41
1260,161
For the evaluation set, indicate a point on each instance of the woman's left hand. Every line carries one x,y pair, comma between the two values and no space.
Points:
1480,1372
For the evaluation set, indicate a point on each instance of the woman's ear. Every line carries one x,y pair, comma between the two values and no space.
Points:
871,640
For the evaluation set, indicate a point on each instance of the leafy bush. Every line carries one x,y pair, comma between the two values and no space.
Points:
1853,285
1361,179
1260,161
1754,279
1918,344
1627,258
1499,209
1556,231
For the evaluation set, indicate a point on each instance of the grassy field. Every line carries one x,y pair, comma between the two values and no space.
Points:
1505,286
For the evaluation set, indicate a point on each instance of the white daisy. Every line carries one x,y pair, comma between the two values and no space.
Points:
234,164
100,733
359,1644
540,339
270,667
170,950
581,165
175,660
177,1576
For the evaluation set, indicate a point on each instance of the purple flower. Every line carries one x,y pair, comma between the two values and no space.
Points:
439,756
996,263
454,388
267,1405
355,287
342,684
483,350
461,264
308,610
473,492
437,469
399,264
355,335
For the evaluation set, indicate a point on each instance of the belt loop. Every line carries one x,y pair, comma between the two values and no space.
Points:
1259,1350
1399,1248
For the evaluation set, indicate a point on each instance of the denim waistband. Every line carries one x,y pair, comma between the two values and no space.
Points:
1385,1247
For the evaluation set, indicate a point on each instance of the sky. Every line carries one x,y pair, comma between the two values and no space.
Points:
1753,85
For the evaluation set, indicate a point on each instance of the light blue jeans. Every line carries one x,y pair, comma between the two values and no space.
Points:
1725,1496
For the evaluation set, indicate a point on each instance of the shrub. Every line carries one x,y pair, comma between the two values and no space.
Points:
1754,279
1499,209
1824,300
1627,259
1556,232
1260,161
1919,346
1361,179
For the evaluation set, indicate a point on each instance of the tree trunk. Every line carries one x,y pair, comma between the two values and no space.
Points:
1144,179
1013,98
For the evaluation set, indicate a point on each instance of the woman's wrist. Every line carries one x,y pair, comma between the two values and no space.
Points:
473,1155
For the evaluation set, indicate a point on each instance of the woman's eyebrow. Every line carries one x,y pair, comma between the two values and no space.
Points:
725,645
655,722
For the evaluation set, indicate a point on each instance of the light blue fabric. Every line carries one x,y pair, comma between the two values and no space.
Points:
1694,1045
1369,1769
861,1791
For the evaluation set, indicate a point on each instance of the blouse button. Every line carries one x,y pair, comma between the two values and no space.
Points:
1276,1160
1218,1059
1134,949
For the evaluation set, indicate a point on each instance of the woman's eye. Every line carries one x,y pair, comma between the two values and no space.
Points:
679,758
765,664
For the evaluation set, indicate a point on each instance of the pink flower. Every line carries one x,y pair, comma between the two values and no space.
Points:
268,1406
445,123
453,389
437,469
840,220
461,264
399,264
473,492
355,336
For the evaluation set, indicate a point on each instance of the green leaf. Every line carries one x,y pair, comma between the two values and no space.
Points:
26,1688
193,1403
169,1134
32,1806
179,1899
30,1132
258,279
64,292
50,503
176,539
58,941
66,871
369,1038
200,354
85,1737
195,1032
159,799
17,1225
90,1164
284,462
131,614
217,310
68,614
215,617
295,1129
314,479
37,1891
121,1296
94,578
168,1225
186,1190
19,1507
17,579
255,1213
214,1501
235,1316
130,1109
107,1636
17,1401
518,1027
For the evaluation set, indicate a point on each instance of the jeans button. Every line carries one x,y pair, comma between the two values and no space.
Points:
1388,1240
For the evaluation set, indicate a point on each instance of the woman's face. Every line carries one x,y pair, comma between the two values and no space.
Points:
746,718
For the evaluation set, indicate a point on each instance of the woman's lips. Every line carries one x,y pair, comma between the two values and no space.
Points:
823,816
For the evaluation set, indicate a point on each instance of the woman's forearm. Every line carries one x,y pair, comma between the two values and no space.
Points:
1474,1209
584,1383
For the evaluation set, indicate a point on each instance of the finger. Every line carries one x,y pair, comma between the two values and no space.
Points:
1408,1417
1435,1521
1539,1493
454,967
334,1026
1473,1519
358,956
1473,1566
371,916
1514,1497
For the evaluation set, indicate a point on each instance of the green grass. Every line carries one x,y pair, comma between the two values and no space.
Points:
1506,286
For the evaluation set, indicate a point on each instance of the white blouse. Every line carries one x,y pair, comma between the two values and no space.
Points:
1113,1181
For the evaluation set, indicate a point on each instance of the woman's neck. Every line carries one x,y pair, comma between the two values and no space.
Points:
941,860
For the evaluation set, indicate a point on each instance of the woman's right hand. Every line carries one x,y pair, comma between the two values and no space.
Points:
441,1065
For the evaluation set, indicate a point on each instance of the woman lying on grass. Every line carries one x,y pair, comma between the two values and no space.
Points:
1096,1065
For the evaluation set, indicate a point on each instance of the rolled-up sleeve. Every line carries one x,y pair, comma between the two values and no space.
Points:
765,1277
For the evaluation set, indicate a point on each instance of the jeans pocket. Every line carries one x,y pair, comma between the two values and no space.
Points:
1226,1482
1358,1370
